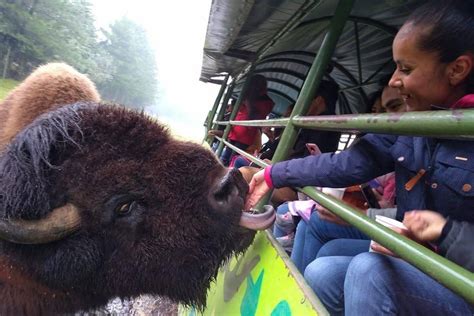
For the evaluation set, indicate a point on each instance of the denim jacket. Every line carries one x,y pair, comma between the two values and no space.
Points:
447,185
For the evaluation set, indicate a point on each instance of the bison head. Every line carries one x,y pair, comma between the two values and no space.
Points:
98,202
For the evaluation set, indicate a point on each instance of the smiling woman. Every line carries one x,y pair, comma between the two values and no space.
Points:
353,41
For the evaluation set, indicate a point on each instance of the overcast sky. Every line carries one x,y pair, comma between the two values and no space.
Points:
177,30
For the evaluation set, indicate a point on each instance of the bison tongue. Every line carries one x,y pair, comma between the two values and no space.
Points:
258,221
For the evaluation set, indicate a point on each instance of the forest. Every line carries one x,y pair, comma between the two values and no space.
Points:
118,58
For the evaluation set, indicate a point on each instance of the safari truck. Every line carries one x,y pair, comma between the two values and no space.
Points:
296,45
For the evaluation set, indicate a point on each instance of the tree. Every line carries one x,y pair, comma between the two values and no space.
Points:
40,31
134,80
34,32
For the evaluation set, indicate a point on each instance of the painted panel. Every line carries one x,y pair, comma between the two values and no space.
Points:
259,282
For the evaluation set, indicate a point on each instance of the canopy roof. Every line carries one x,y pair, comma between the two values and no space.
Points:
283,36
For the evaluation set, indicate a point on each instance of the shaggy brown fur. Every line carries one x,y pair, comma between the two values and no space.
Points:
170,240
49,87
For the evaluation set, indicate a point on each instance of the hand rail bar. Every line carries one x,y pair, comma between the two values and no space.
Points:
441,124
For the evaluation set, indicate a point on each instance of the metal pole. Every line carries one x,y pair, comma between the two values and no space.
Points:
212,113
315,75
234,111
441,124
454,124
221,113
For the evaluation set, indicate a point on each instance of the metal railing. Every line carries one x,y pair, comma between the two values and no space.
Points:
446,272
445,124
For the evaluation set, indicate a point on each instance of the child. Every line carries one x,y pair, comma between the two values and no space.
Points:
434,53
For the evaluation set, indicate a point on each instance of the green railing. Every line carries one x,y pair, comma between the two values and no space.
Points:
447,124
448,273
440,124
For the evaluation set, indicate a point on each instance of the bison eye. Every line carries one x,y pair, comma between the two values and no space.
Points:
125,208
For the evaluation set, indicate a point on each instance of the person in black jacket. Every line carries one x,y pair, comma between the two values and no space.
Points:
376,284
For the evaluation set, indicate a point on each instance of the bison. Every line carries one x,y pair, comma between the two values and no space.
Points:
98,201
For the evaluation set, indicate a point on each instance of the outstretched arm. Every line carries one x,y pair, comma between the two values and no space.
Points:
369,158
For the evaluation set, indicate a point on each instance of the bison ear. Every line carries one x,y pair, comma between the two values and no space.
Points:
27,163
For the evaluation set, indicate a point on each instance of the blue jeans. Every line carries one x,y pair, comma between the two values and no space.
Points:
309,239
375,284
282,209
240,162
227,154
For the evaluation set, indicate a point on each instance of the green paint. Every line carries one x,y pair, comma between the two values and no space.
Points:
282,309
252,295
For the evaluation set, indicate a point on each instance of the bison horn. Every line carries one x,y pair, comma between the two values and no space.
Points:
59,223
259,221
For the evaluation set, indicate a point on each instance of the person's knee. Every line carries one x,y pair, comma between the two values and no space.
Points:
318,275
363,263
283,208
367,270
329,249
326,277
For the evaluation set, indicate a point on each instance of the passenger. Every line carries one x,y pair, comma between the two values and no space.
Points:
372,283
256,105
434,53
323,226
268,149
324,103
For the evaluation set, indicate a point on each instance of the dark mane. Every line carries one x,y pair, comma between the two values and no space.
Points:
26,161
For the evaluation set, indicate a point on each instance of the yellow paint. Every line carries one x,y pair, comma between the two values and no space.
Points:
278,287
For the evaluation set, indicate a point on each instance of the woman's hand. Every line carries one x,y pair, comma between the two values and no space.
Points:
381,249
422,226
425,225
257,189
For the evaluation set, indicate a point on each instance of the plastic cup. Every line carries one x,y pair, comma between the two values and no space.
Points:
338,193
387,222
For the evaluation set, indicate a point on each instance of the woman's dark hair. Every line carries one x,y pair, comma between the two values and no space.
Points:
449,29
257,87
329,91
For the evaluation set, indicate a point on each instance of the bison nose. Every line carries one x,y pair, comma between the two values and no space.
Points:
229,192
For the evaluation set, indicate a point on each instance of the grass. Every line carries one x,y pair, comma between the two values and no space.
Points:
5,86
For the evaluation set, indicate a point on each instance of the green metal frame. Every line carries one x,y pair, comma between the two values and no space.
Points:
221,112
440,124
448,124
314,76
212,113
448,273
235,110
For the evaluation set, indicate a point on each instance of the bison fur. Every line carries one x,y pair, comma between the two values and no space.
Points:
158,215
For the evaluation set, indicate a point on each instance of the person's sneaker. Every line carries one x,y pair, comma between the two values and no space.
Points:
285,222
287,242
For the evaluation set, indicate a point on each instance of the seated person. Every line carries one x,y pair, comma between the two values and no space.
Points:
391,283
256,105
324,103
268,149
291,213
428,75
323,226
